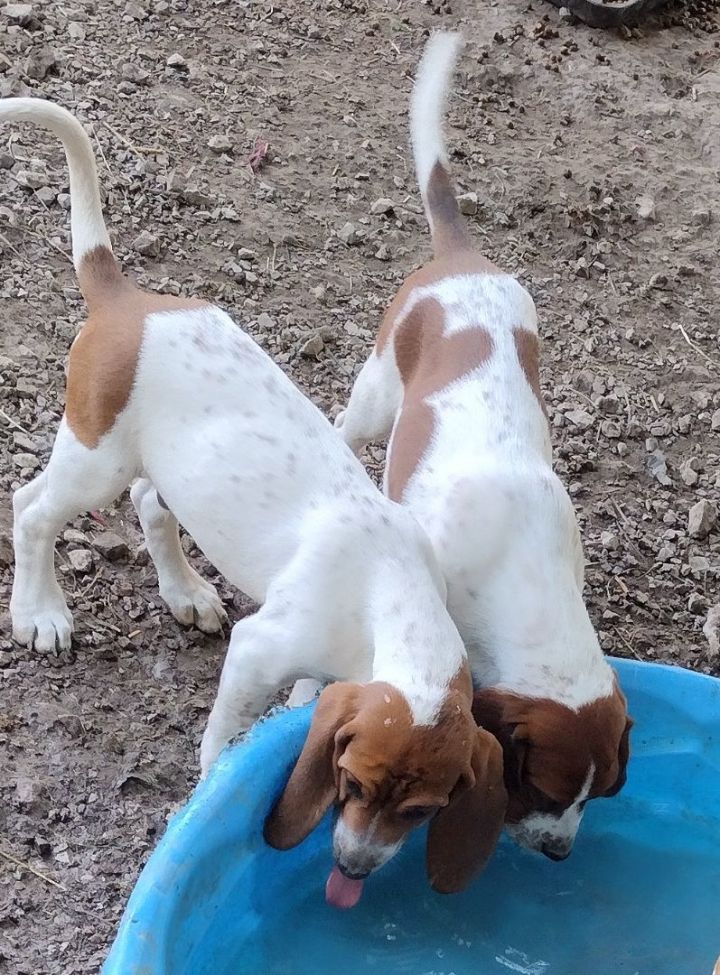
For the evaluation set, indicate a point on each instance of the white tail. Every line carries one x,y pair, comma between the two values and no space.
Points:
427,107
86,219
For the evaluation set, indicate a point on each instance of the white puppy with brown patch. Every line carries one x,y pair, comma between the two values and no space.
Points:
453,380
172,391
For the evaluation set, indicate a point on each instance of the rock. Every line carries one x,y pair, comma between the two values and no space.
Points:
609,541
645,207
711,629
219,144
72,535
715,421
6,658
688,471
580,418
177,61
111,546
6,551
266,323
7,160
26,461
146,243
81,560
610,429
348,234
136,11
383,205
76,31
19,13
657,465
24,442
702,216
701,519
41,63
468,204
698,563
136,74
697,603
659,281
312,348
383,253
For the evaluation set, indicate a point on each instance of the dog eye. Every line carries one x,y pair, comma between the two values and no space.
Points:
352,788
415,813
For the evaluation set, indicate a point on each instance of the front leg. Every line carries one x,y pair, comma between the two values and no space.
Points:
258,664
374,402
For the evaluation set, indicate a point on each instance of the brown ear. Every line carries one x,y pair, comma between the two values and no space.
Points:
312,785
463,835
623,759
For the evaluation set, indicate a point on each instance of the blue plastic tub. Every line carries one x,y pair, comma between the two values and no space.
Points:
640,894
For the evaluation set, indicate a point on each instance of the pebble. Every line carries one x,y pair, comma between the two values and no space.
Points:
715,421
19,13
111,546
76,31
580,418
146,243
468,204
266,323
349,234
711,629
26,461
383,205
41,63
6,551
177,61
657,465
609,541
219,144
699,563
701,519
688,472
74,536
312,348
81,560
24,442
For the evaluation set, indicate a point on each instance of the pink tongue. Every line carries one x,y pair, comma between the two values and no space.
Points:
341,891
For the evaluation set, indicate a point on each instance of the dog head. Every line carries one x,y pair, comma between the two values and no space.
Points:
555,760
387,776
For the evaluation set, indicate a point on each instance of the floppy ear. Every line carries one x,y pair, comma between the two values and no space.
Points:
463,835
502,714
312,785
623,759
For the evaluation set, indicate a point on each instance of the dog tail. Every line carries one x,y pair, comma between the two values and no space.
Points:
86,220
427,108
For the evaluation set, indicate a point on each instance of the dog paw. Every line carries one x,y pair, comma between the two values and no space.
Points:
45,629
195,603
339,420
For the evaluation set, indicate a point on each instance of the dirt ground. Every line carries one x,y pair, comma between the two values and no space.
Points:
595,160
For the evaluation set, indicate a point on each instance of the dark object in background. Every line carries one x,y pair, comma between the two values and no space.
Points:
596,13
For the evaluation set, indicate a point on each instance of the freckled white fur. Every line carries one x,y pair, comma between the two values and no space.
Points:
349,583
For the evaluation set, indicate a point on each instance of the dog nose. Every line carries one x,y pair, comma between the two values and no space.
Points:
556,853
352,874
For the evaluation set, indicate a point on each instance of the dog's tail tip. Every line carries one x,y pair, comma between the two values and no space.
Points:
87,224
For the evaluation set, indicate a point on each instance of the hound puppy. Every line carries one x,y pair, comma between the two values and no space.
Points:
171,390
454,376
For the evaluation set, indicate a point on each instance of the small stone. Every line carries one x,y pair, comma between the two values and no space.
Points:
698,563
688,472
610,429
383,205
146,243
383,253
136,74
697,603
659,281
645,207
701,519
19,13
609,541
265,322
111,546
7,160
580,418
702,216
46,195
72,535
711,629
177,61
657,465
220,144
76,31
312,348
468,204
135,11
26,461
6,551
245,254
715,421
81,560
348,234
5,658
24,442
41,63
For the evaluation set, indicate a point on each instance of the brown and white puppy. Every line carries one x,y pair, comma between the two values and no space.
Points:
454,380
172,393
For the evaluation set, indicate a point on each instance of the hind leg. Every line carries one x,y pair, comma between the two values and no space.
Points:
374,402
189,597
76,479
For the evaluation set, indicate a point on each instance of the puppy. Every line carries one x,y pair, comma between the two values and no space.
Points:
454,379
171,391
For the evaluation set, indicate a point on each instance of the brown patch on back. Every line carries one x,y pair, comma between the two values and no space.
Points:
103,358
448,227
527,347
428,362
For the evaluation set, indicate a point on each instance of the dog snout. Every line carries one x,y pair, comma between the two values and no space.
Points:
556,851
352,874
